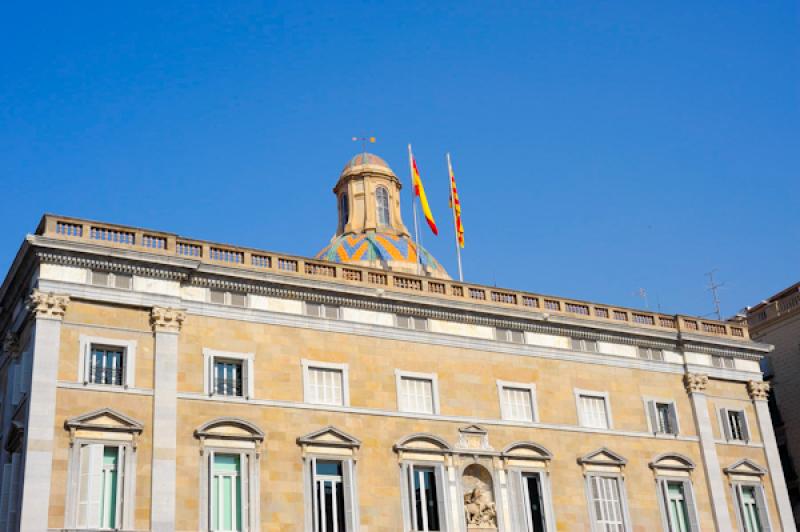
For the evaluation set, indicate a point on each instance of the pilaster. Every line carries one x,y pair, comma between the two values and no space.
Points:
696,384
48,310
759,391
166,323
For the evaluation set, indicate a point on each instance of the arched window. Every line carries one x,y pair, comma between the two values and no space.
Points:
344,211
382,202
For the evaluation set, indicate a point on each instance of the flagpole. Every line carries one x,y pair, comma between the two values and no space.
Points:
414,206
455,222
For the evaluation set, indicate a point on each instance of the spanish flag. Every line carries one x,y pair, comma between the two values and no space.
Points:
419,191
455,204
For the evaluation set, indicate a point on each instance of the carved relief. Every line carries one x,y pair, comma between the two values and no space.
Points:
758,390
167,319
695,382
479,506
48,305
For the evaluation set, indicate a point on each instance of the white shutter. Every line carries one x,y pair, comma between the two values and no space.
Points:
91,483
314,495
516,495
726,423
120,488
688,495
441,497
212,504
246,368
350,498
652,411
412,499
673,418
745,427
244,472
763,514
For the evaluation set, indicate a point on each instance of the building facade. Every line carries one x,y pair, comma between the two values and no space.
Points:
776,321
155,382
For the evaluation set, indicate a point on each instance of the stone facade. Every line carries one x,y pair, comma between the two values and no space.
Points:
167,414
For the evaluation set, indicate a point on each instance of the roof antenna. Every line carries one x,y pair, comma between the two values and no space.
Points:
642,292
364,141
712,287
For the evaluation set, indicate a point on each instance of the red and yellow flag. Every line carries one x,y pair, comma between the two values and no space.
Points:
419,191
455,204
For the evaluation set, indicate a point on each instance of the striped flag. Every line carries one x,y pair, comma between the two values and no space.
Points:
419,191
455,204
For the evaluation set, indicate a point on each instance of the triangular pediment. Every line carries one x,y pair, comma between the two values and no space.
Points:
473,429
603,456
106,419
745,467
330,436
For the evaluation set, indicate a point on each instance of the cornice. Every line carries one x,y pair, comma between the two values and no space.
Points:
109,264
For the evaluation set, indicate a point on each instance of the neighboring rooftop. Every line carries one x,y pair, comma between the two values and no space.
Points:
162,244
775,308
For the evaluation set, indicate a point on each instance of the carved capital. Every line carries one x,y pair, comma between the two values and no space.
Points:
11,344
166,319
47,304
695,382
758,390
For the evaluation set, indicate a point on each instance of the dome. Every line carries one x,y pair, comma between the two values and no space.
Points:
366,159
381,250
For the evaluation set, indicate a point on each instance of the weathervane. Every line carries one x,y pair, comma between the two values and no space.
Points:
364,141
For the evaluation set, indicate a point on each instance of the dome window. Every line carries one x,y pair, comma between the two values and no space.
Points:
344,212
382,204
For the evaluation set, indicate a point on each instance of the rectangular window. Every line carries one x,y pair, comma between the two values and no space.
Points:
663,417
426,499
106,365
533,502
416,394
510,335
606,501
678,505
412,322
734,423
228,377
723,362
517,402
325,386
650,353
752,508
224,297
320,310
593,411
329,497
99,486
581,344
112,279
226,492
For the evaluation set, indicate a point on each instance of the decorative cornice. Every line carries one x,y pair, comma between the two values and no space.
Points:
167,319
111,265
695,382
720,351
758,390
47,305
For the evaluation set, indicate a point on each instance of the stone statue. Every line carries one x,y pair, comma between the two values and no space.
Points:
479,509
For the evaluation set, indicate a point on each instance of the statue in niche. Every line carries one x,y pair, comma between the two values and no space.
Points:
479,506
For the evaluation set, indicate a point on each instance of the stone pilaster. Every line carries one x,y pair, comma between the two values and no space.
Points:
759,392
696,384
166,323
48,310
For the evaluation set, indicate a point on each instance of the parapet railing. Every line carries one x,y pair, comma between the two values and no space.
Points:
251,259
789,303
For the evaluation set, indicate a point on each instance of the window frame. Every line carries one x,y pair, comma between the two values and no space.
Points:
761,503
517,491
652,425
530,387
112,279
379,206
323,307
582,345
409,468
596,394
689,498
399,375
227,296
86,343
414,319
209,375
508,335
623,496
649,351
725,429
335,366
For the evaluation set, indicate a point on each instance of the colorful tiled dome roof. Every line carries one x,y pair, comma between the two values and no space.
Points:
381,250
363,159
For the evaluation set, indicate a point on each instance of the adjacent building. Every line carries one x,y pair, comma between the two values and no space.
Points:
776,321
156,382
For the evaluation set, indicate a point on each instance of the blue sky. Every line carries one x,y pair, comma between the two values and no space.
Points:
599,147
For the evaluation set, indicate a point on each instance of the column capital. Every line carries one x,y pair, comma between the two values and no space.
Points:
167,319
695,382
758,390
47,304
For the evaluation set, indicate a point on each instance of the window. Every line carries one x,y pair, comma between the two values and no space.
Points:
99,486
533,502
593,409
107,361
112,279
677,504
723,362
650,353
344,211
426,497
320,310
226,492
412,322
510,335
325,383
606,504
382,204
517,401
662,416
328,496
734,425
417,392
224,297
581,344
227,374
751,507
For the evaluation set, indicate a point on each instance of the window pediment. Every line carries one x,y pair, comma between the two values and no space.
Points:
104,419
526,450
672,462
603,457
745,467
329,436
229,428
424,443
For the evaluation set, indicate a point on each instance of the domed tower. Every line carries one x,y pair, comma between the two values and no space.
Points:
371,230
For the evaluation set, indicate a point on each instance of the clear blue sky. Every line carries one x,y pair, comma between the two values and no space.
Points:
599,147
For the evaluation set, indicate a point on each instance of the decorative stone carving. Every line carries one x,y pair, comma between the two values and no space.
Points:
758,390
473,437
48,305
695,382
11,344
167,319
479,506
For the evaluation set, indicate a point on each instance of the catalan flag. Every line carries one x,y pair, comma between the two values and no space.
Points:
419,191
455,204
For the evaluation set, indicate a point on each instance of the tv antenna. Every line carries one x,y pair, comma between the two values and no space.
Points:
713,287
642,292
